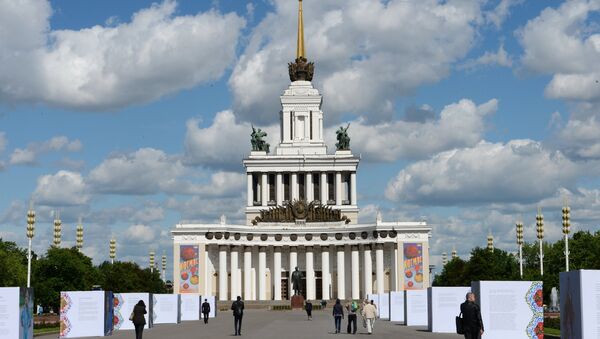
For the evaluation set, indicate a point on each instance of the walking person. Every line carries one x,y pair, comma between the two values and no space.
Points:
205,310
472,323
338,315
351,307
238,313
138,319
369,313
308,307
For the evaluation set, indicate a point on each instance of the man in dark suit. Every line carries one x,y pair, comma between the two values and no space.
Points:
205,310
238,312
472,323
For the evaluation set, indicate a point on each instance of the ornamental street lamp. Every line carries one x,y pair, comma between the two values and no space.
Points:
79,243
539,222
30,234
113,250
57,229
152,261
520,243
490,243
444,258
164,267
566,229
454,255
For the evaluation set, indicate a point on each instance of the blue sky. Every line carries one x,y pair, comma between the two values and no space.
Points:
134,115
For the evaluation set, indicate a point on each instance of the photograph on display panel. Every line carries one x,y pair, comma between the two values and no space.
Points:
26,311
189,269
413,266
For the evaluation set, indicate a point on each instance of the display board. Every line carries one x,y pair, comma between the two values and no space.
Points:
443,307
123,306
166,309
510,309
384,306
85,314
578,307
16,313
397,306
415,308
212,300
413,266
190,307
189,269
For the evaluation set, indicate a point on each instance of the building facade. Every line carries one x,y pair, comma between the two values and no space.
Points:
301,211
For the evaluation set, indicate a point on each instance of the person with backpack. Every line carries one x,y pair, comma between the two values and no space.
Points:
308,307
238,312
338,315
351,307
205,310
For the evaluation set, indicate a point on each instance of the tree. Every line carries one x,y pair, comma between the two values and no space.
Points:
13,264
453,274
62,269
123,277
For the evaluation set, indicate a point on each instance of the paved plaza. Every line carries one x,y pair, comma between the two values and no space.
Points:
262,324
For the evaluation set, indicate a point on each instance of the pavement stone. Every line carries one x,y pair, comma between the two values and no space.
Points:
263,324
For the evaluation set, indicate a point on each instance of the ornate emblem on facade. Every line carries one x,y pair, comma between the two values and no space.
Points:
300,210
301,69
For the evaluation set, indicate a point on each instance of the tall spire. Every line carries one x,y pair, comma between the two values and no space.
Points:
300,48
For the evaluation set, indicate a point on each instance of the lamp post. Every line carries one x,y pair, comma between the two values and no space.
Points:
30,234
79,241
566,229
444,258
57,229
520,243
152,261
490,243
113,250
539,222
454,255
164,267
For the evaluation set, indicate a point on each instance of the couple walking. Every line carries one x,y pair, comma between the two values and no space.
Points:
368,313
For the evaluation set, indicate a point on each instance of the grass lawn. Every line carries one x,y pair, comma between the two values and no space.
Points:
45,330
552,331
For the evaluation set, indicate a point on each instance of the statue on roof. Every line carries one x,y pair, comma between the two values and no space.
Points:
257,140
343,139
301,69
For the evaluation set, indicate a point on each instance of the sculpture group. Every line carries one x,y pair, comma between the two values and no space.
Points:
257,141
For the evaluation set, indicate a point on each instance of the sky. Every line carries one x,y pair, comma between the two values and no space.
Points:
136,115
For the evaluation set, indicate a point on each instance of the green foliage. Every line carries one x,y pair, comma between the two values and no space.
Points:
453,274
483,265
13,264
62,269
123,277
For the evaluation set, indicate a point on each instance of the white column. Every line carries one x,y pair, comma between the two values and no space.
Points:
323,186
353,200
264,189
293,264
394,261
379,268
223,273
262,270
279,189
294,186
325,272
248,273
277,273
309,187
235,279
355,273
249,190
338,188
310,274
368,270
341,275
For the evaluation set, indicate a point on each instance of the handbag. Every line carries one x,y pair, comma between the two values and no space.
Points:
131,316
459,325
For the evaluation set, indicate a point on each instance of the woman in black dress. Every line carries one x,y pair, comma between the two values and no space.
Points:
139,321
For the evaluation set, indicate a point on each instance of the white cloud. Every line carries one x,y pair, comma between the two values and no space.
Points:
107,67
3,141
460,124
62,188
149,214
145,171
565,42
224,143
140,233
367,53
518,171
581,138
500,58
30,154
501,12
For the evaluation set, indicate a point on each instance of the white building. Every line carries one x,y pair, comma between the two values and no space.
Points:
301,211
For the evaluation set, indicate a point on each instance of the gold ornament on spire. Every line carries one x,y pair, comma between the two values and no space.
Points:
300,46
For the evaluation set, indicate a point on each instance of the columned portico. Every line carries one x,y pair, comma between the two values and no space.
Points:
355,272
262,269
340,273
325,272
223,272
293,265
310,274
248,273
379,268
367,271
277,273
235,276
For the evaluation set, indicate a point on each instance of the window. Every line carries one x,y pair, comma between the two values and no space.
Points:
272,189
301,186
286,187
316,178
331,188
